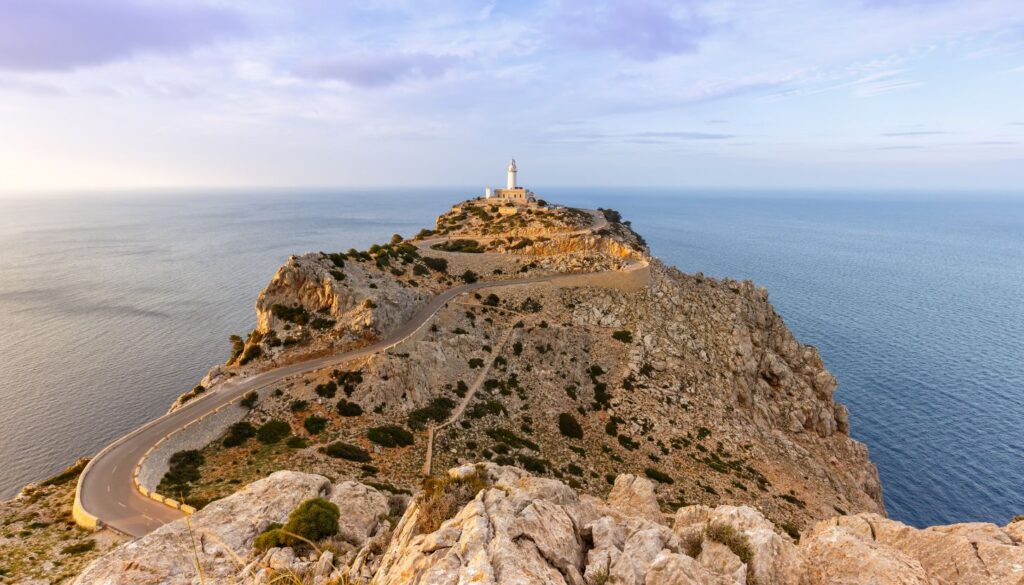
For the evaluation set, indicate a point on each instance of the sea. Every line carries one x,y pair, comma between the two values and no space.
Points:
113,304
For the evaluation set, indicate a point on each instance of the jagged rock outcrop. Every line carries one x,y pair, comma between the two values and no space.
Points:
220,536
360,301
522,529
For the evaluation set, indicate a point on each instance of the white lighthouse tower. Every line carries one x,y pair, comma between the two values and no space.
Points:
512,174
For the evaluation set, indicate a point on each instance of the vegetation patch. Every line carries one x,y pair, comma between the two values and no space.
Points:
390,436
346,408
443,497
238,433
438,410
623,336
297,314
183,470
510,438
273,431
658,475
315,424
736,542
340,450
314,520
569,427
460,245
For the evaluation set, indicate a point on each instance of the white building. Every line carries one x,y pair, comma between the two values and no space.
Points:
513,193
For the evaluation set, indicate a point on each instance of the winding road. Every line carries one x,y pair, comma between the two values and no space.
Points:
106,495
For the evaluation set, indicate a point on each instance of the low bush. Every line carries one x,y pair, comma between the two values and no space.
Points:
509,438
623,336
628,443
476,363
438,410
298,405
251,352
469,277
569,427
315,424
340,450
327,389
297,314
460,245
238,433
390,436
249,400
658,475
346,408
273,431
314,520
297,442
183,469
436,264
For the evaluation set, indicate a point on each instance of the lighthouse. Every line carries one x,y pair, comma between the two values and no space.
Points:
511,174
513,194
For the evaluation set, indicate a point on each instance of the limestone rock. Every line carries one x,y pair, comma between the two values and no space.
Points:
634,496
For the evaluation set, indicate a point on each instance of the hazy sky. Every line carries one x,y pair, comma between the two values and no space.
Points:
99,94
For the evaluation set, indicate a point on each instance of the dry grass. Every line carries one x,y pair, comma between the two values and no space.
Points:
443,496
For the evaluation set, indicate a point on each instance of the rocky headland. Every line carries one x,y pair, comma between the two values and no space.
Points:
604,418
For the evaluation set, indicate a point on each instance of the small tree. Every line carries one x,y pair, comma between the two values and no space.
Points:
273,431
569,427
623,336
315,424
469,277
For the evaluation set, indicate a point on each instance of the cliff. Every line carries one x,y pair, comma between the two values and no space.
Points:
491,524
634,367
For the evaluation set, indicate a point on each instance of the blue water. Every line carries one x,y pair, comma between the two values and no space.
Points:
112,307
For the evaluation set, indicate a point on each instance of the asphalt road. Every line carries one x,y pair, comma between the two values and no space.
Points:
106,488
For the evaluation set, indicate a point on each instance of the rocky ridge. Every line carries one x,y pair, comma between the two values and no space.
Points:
518,528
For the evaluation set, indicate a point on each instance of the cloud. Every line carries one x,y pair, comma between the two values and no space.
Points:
57,35
379,70
663,137
915,133
639,29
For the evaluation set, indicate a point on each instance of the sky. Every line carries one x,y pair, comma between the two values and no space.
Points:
835,94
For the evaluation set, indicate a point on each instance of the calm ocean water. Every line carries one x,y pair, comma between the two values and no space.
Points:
112,307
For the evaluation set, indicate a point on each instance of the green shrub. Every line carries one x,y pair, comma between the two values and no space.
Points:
273,431
420,270
315,424
460,245
297,442
251,352
238,433
314,520
530,305
611,427
321,323
390,436
623,336
628,443
337,259
237,347
658,475
569,427
469,277
436,264
533,464
491,300
509,438
183,469
327,389
476,363
250,400
297,314
346,408
438,410
347,451
298,405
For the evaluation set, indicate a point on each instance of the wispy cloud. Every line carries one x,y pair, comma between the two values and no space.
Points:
638,29
54,35
915,133
374,70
